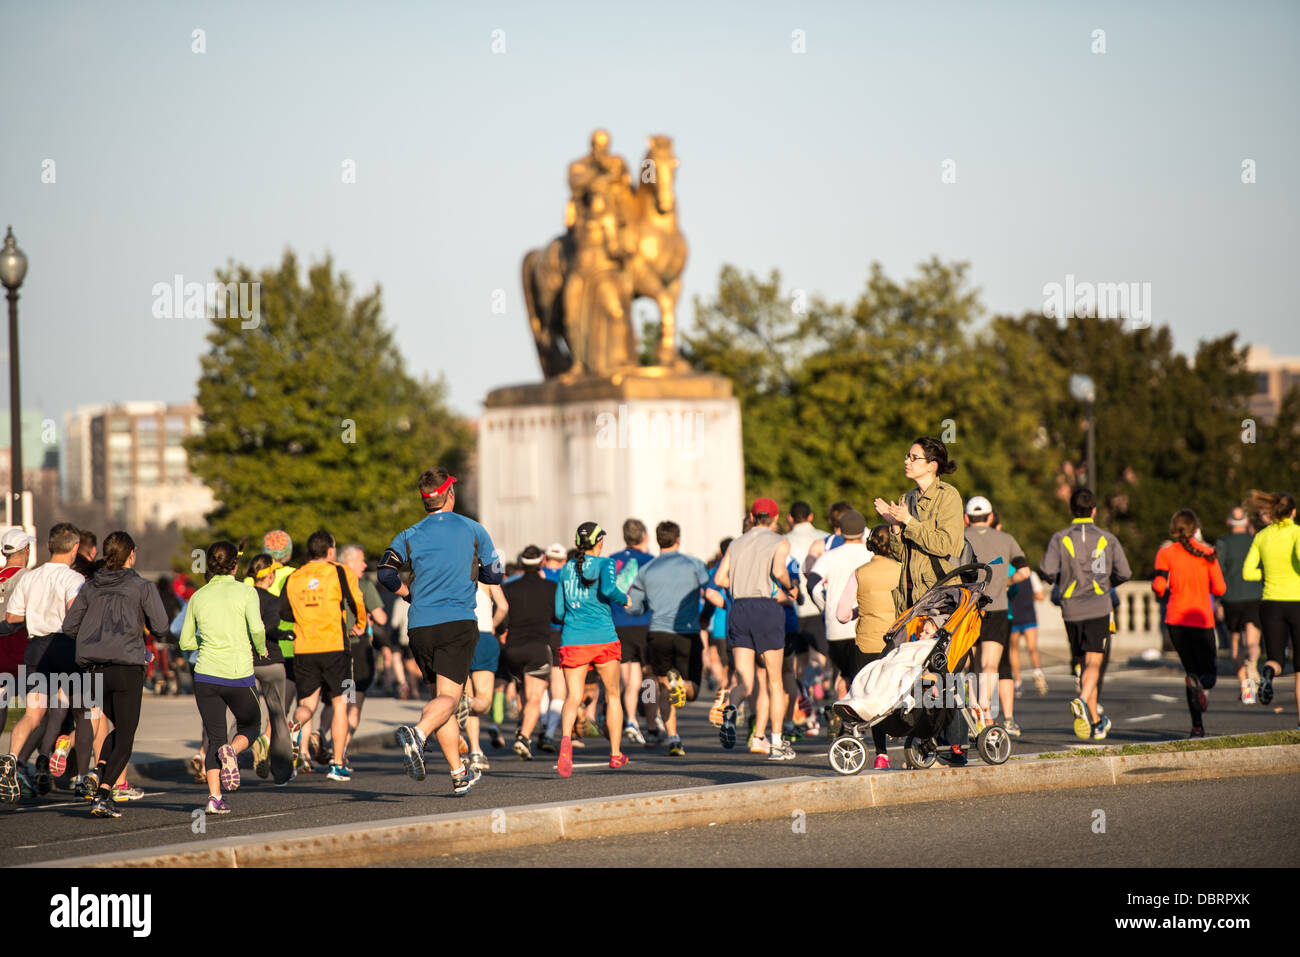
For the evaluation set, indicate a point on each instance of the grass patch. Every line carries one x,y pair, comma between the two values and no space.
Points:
11,719
1196,744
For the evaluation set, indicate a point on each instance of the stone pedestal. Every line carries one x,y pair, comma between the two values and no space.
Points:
650,444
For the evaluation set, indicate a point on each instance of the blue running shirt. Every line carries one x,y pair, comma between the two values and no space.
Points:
442,549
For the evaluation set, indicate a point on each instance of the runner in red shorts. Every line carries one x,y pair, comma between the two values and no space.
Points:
585,594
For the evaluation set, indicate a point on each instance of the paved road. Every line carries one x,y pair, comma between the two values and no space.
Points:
1143,706
1219,823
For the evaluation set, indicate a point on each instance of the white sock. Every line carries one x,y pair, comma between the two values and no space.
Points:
553,717
776,739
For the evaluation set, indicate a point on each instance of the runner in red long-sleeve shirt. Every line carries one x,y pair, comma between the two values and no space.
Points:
1188,570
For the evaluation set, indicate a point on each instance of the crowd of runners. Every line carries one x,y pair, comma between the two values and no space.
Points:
576,644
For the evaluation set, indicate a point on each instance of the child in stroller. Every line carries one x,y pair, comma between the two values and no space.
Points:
914,691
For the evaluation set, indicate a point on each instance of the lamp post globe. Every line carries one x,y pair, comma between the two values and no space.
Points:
1085,390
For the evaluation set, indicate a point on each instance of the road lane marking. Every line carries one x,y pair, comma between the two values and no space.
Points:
1144,717
141,830
1164,698
77,803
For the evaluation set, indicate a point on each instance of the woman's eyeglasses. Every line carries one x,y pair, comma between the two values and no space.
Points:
913,458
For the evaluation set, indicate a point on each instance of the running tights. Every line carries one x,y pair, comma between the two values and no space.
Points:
123,689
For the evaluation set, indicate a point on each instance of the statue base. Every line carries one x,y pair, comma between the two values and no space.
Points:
651,444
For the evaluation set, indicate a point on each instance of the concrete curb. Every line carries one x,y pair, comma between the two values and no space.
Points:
413,838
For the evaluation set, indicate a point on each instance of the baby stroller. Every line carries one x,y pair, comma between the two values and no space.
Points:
912,692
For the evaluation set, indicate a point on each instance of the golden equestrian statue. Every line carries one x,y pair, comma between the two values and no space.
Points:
621,242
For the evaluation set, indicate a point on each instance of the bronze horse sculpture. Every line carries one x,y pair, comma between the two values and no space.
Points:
623,244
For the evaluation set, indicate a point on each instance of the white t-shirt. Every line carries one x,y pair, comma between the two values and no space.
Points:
836,567
483,610
43,597
801,538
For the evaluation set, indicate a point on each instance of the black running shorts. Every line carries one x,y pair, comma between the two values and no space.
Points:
1280,624
683,653
527,658
1088,636
633,639
446,649
326,670
1238,614
363,664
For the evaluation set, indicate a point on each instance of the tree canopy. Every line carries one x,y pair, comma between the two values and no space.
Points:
832,395
310,418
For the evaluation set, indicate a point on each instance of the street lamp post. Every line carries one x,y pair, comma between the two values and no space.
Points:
1085,390
13,267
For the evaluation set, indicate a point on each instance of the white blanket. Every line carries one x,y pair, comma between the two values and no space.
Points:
889,683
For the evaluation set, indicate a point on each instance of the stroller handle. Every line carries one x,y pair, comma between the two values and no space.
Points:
962,570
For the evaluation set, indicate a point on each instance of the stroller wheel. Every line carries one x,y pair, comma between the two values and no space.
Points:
915,755
994,744
848,755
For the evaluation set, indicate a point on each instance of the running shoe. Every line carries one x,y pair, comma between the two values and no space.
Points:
295,735
759,745
1013,729
727,733
196,769
462,711
801,700
1265,694
59,759
675,747
631,732
496,738
578,743
589,728
302,764
216,805
1197,731
339,772
293,773
103,808
464,779
676,688
546,743
87,786
25,786
784,752
1082,723
653,738
316,749
522,749
1101,729
882,762
478,761
1040,682
42,778
408,739
124,792
229,768
1247,693
262,756
617,761
954,757
1194,690
565,763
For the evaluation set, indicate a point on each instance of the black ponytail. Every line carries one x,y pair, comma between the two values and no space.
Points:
935,451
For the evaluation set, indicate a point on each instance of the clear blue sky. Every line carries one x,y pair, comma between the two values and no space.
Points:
1116,167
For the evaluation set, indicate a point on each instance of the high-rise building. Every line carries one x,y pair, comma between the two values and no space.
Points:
1274,377
130,458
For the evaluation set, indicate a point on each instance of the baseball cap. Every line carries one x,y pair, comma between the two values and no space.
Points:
978,507
852,523
557,551
766,506
531,556
15,540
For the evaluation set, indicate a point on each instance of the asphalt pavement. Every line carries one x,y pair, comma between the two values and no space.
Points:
1144,707
1250,821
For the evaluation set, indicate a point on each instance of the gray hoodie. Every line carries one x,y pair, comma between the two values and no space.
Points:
109,616
1086,561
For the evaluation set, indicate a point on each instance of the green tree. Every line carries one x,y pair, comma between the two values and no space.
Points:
310,418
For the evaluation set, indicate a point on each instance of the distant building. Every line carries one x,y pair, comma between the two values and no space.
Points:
40,453
130,459
1274,377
